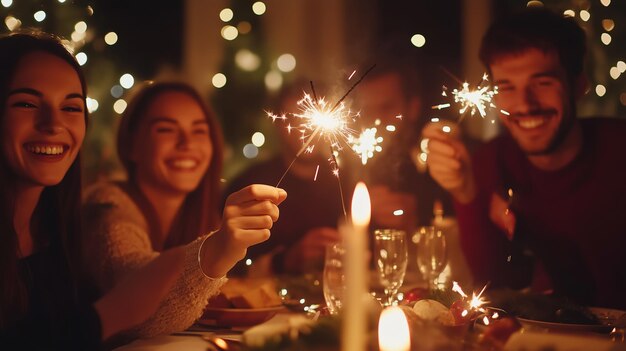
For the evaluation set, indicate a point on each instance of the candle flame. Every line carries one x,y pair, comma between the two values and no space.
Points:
361,207
393,330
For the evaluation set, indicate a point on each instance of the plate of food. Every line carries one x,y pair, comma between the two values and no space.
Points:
548,312
243,303
602,322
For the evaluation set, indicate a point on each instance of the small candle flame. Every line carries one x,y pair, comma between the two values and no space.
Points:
361,206
393,330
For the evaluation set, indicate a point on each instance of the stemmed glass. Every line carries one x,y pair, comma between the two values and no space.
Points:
390,250
431,253
334,278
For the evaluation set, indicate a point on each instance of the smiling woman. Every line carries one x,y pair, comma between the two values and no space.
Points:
171,146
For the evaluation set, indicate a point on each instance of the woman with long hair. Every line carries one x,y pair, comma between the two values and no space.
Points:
170,144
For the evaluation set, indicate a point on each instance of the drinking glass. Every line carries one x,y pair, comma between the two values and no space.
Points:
431,253
334,279
390,252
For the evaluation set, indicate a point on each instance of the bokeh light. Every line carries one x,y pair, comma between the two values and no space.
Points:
258,139
81,57
12,23
117,91
226,14
600,90
250,151
39,16
80,27
622,99
585,15
78,36
259,8
92,104
244,27
127,81
534,3
247,60
569,13
273,80
110,38
614,72
621,65
418,40
219,80
606,3
119,106
608,24
229,32
7,3
286,62
605,38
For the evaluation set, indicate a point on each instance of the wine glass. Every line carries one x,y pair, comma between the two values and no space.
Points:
431,253
390,250
334,279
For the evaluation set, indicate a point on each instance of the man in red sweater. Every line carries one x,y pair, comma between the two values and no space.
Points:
544,204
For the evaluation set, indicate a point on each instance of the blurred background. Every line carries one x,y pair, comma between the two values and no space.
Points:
239,53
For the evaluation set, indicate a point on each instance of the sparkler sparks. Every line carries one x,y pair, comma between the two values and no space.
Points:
366,144
476,100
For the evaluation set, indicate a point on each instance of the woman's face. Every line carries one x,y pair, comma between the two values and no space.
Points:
43,123
172,148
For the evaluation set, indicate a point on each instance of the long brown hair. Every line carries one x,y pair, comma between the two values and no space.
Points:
199,213
58,209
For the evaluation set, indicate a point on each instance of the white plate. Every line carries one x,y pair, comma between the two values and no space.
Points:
606,316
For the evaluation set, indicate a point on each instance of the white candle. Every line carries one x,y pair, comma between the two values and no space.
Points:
393,330
355,314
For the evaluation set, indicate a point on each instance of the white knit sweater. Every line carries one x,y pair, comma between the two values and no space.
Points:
117,242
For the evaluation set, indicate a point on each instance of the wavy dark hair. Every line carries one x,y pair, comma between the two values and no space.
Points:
540,29
58,209
199,213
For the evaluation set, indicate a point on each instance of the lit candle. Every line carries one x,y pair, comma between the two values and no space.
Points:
393,330
355,236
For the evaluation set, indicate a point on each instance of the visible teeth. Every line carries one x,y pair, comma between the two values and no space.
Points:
46,150
186,163
531,123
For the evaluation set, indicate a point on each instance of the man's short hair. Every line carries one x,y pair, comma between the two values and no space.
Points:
536,28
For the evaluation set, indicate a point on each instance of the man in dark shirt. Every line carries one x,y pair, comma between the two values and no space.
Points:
543,204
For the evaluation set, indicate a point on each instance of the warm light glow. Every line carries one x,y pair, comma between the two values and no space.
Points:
92,104
226,15
258,139
361,207
80,27
393,330
127,81
7,3
247,60
605,38
61,1
286,62
244,27
600,90
273,80
606,3
229,32
250,151
418,40
569,13
40,16
219,80
259,8
534,3
446,129
12,23
608,24
585,15
81,57
614,72
621,65
110,38
398,212
119,106
78,36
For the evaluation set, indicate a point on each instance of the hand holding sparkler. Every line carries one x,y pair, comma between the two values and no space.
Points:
449,162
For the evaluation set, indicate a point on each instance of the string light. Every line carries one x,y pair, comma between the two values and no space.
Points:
81,57
418,40
286,62
7,3
259,8
127,81
119,106
226,15
39,16
600,90
110,38
219,80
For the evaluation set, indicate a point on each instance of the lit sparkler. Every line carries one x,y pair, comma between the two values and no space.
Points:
366,144
477,100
